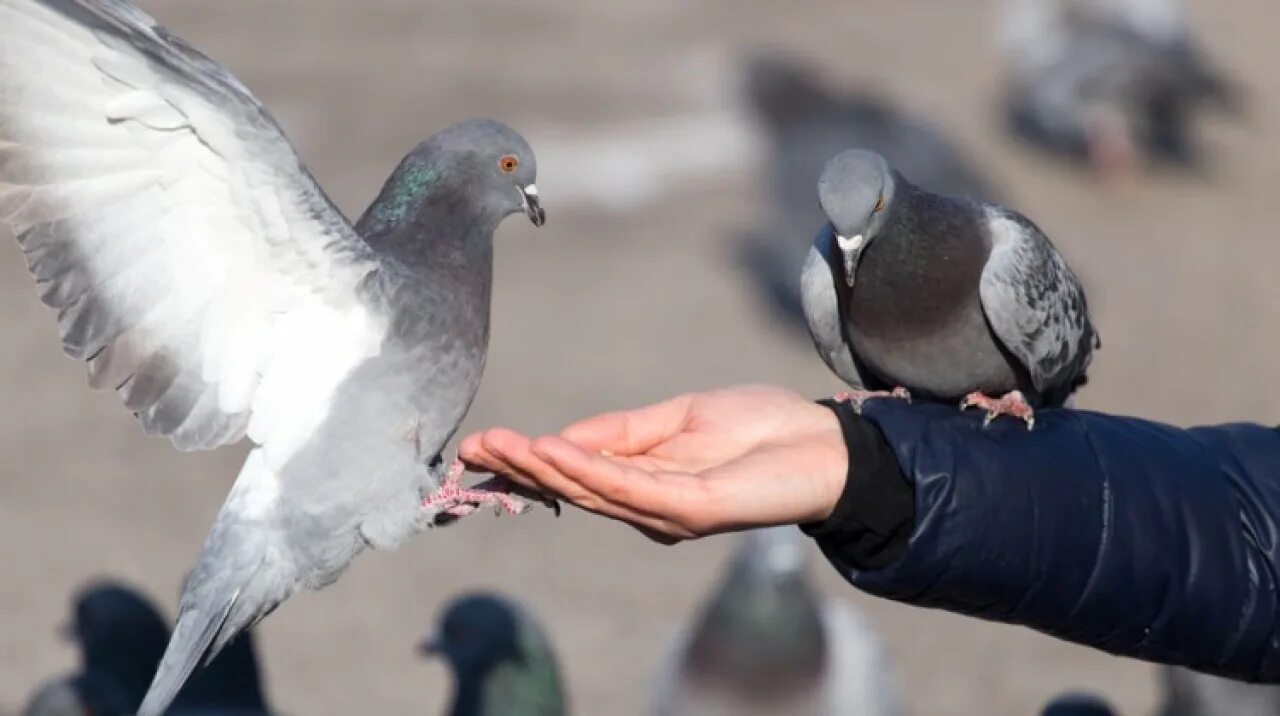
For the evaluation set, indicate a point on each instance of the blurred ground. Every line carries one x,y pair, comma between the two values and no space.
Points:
610,307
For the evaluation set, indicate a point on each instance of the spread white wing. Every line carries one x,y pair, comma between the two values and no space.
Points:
193,260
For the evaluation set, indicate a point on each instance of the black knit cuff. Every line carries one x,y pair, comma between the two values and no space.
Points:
872,521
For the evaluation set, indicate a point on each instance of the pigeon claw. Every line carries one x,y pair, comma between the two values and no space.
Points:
1013,404
454,500
858,398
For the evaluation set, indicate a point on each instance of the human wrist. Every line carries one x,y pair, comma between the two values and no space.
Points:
874,511
831,467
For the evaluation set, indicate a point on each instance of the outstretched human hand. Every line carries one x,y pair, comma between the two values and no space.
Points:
691,466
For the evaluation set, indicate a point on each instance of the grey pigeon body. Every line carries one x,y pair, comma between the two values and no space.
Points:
204,275
941,296
1081,70
501,659
766,643
805,123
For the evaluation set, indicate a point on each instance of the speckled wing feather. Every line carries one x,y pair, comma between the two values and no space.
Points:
1035,305
193,260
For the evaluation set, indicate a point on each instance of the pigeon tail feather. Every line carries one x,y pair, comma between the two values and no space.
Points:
242,574
192,644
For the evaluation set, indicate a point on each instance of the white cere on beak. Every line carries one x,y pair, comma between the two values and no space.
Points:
530,190
850,248
848,244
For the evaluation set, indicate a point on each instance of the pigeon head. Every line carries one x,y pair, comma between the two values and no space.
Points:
495,161
856,192
500,658
476,633
763,628
482,170
1078,704
121,635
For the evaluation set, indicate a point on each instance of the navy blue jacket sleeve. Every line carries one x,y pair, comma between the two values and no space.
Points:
1134,537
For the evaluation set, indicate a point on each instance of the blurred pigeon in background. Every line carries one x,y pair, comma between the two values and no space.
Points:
1078,704
767,643
203,274
1190,693
121,637
805,124
946,298
1114,81
502,661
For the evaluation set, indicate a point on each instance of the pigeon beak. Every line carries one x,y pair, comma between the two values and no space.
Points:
851,248
532,207
433,646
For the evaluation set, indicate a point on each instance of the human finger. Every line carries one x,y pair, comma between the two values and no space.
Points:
630,432
676,499
548,478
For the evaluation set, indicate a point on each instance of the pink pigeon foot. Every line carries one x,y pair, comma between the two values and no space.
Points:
1112,150
859,397
1013,404
454,499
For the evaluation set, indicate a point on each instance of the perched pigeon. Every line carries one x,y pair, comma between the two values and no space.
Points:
1109,80
766,643
1076,704
501,660
805,124
121,636
203,274
945,298
1190,693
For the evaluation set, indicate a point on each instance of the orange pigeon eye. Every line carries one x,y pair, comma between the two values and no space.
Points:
509,163
879,205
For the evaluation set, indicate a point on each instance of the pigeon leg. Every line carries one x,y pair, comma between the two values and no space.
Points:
859,397
1112,149
1013,403
458,501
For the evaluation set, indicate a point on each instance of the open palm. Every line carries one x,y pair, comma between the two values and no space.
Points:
694,465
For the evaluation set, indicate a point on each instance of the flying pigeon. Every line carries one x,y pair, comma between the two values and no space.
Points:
1112,81
203,274
766,643
502,661
805,123
942,298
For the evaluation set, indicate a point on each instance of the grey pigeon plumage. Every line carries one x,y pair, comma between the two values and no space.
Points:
501,659
944,297
203,274
1109,80
805,123
766,642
